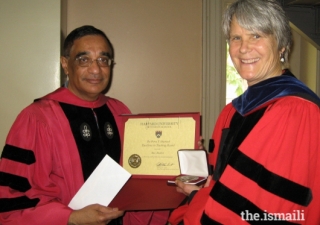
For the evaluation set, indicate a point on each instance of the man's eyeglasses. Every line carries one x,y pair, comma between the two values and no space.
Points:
85,61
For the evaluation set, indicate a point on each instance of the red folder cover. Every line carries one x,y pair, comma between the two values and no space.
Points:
147,193
151,192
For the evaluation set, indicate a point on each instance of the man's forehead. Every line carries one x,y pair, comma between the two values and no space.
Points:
89,44
102,53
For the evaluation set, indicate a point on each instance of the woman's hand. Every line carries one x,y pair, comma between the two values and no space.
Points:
94,215
186,189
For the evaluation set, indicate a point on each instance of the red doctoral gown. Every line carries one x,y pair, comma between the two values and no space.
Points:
40,169
273,172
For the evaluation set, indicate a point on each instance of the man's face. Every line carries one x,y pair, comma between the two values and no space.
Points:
87,82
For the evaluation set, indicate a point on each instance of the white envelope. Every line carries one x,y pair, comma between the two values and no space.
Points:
102,186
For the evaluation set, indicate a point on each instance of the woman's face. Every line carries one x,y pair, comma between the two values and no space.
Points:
255,56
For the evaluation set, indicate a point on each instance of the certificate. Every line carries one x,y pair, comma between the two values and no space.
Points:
151,142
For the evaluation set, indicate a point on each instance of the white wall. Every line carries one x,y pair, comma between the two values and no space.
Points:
158,50
29,57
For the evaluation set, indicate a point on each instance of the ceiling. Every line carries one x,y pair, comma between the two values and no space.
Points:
301,2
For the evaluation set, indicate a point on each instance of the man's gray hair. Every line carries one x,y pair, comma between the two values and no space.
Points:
260,16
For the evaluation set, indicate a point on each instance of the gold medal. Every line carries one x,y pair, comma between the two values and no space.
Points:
187,178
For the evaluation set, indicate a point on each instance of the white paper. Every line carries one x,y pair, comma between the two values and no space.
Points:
102,186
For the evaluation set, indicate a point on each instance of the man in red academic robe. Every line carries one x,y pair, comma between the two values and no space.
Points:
57,141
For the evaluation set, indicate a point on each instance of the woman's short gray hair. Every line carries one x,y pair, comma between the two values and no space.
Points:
266,16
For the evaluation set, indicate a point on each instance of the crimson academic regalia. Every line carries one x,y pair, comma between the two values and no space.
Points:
266,159
51,149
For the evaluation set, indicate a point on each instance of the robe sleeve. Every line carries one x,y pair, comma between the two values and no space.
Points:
31,191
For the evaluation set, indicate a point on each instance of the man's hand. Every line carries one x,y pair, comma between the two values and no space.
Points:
94,215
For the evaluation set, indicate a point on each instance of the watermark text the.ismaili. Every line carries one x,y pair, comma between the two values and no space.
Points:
295,215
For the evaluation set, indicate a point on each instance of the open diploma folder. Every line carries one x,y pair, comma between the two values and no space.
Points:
193,167
148,160
151,142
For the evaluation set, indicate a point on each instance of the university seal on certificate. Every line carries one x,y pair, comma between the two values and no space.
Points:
134,161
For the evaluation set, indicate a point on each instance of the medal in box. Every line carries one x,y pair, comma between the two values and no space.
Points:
193,167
